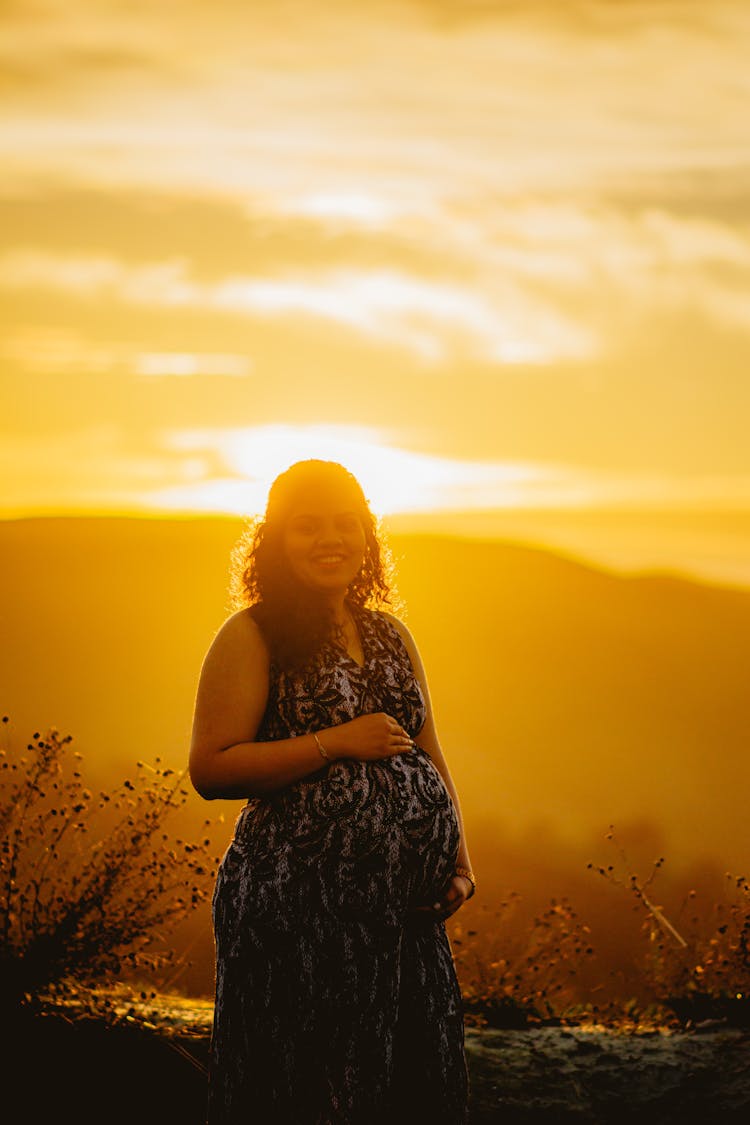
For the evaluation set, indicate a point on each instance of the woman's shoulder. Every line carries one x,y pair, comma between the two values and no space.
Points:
241,631
393,624
391,618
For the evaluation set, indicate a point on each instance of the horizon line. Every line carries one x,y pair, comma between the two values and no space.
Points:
603,559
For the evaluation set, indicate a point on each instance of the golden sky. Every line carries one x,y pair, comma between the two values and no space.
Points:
493,255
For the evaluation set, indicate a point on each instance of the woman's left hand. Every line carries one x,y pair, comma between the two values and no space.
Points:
452,898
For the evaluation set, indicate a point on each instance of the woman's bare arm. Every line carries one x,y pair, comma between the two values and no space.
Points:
428,738
226,761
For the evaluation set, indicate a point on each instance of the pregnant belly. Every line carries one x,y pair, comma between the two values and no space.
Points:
363,837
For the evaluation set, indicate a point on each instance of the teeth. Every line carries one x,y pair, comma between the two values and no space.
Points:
331,559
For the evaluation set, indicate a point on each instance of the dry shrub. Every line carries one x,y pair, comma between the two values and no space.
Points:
514,977
724,966
697,966
88,883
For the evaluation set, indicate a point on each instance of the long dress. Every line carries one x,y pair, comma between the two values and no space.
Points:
336,1002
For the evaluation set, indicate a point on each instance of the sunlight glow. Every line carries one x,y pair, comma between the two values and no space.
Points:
230,470
394,480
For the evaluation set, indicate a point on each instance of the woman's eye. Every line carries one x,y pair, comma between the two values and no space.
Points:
347,524
304,527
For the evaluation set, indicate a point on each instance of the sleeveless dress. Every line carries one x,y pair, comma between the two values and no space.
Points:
337,1003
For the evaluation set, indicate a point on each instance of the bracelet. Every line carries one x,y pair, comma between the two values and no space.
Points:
321,747
468,874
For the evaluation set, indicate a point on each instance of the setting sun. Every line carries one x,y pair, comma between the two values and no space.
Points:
395,480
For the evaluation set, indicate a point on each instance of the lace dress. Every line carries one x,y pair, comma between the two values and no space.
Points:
336,1003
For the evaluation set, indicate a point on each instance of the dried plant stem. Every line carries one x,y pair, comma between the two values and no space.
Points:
661,918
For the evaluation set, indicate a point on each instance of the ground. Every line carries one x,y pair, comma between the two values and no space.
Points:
596,1076
146,1062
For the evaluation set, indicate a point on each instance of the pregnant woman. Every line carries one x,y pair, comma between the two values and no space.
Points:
337,1001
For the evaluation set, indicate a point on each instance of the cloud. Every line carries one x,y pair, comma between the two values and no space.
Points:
372,102
60,352
74,67
95,467
432,320
429,319
397,479
218,233
228,469
529,199
63,352
536,281
83,276
186,364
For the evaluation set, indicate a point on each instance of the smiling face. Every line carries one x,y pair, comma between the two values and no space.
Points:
323,538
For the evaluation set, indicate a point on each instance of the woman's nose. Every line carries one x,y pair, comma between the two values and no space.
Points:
330,534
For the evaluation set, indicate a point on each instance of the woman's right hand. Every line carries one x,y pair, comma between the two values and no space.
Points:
368,737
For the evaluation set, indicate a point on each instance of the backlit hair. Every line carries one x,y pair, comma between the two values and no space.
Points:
295,620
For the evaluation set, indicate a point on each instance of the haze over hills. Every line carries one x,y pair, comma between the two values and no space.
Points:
706,544
564,695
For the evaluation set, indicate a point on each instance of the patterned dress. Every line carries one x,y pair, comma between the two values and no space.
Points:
336,1002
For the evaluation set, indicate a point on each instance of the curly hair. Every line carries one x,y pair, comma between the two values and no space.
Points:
295,620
